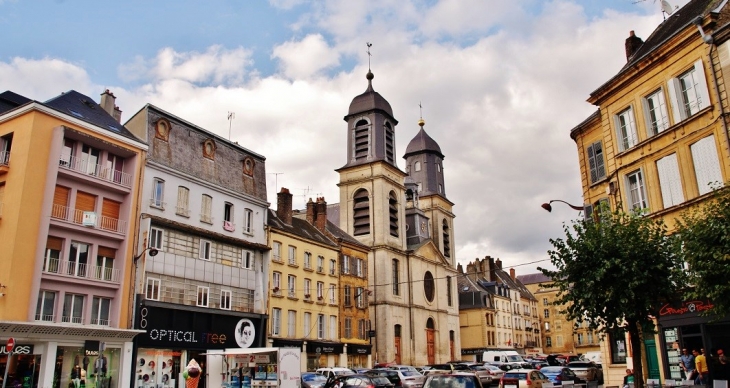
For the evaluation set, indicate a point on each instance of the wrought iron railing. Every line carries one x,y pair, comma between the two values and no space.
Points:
86,166
76,216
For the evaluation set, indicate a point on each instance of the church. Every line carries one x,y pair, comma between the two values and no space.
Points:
407,221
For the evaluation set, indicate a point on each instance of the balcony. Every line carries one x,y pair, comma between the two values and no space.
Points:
82,270
4,162
84,166
72,319
88,219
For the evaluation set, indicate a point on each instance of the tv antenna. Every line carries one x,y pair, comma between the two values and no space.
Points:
231,116
276,179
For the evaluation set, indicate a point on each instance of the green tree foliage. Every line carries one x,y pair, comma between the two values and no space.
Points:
705,235
615,273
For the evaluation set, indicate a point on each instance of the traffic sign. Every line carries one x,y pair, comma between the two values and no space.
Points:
10,345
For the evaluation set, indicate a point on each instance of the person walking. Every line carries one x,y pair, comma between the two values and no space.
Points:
687,363
701,367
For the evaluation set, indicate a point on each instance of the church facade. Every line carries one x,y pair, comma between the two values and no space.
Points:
407,221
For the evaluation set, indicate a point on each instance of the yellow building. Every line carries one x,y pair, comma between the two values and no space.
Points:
657,143
304,283
69,174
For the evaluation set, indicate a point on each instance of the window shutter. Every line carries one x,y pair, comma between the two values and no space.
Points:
592,163
60,196
85,201
706,163
110,208
676,100
670,180
664,121
701,85
633,139
647,116
54,243
107,252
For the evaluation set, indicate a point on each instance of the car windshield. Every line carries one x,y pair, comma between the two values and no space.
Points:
492,368
309,377
410,373
343,372
477,367
551,370
380,380
514,358
515,375
449,381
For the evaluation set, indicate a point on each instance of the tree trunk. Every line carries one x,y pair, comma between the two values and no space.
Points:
636,346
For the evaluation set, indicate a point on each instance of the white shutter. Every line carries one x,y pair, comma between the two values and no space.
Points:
701,84
633,139
670,181
706,163
664,120
676,100
647,116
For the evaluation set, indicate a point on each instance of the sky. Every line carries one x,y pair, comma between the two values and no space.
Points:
501,84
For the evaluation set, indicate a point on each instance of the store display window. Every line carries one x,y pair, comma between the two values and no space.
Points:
157,368
23,370
76,369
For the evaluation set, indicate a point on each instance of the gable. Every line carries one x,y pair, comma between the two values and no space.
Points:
430,252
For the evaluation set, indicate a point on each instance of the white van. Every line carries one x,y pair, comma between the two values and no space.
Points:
499,357
592,356
334,372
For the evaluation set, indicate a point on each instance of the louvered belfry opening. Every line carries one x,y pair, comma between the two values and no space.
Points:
362,140
393,213
447,238
389,141
361,213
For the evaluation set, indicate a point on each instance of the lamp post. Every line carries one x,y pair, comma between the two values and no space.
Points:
153,253
549,208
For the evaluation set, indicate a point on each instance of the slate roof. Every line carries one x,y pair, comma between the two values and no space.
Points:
423,143
10,100
299,227
369,100
84,108
534,278
514,284
342,235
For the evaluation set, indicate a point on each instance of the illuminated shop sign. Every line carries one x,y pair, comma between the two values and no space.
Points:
688,307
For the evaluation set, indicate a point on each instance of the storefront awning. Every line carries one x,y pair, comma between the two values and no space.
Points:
46,330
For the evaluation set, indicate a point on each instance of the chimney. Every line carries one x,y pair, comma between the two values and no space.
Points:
107,103
498,263
471,272
460,268
117,114
284,205
310,211
320,215
512,273
633,43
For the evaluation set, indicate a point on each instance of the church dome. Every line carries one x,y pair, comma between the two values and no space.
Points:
370,100
423,143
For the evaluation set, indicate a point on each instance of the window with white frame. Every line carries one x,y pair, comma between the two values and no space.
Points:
183,200
275,321
307,260
362,329
626,129
595,161
248,221
158,193
348,327
307,288
320,264
657,119
636,192
345,264
670,181
333,266
225,303
307,325
292,324
292,285
247,259
320,291
100,311
320,326
203,296
73,308
359,297
688,92
46,305
155,239
276,251
228,212
359,263
276,282
706,164
153,289
206,208
333,327
333,290
205,247
292,255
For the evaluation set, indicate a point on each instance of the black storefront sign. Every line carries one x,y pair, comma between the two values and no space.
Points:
324,348
284,343
184,329
358,349
473,351
684,313
18,349
91,348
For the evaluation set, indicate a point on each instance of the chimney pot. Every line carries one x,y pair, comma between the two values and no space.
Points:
632,44
512,273
107,102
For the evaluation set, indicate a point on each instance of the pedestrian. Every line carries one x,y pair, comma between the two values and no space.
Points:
687,363
722,367
701,367
629,379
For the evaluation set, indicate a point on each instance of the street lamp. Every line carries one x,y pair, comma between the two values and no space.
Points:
549,208
153,253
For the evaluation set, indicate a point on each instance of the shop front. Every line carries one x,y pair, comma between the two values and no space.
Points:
58,356
684,326
358,356
174,335
323,354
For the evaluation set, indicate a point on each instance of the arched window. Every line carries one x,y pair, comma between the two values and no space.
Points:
447,239
417,166
361,140
428,286
389,141
393,214
361,213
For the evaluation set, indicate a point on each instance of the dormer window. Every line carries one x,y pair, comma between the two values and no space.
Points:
162,130
248,165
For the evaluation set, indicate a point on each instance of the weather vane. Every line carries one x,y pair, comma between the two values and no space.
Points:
369,55
420,108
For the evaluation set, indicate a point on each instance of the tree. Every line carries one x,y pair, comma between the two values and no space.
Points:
705,236
615,273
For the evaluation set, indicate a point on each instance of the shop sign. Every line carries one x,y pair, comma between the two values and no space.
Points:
324,348
91,348
18,349
688,307
473,351
358,349
194,330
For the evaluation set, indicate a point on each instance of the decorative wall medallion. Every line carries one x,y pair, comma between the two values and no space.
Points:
209,149
162,129
248,165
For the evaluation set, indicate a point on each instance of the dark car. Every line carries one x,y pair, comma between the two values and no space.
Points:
455,380
398,378
359,381
313,380
560,374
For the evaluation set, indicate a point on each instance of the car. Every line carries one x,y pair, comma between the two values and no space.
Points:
538,364
358,381
523,378
560,374
452,380
494,371
445,368
406,378
587,370
483,373
334,372
360,370
313,380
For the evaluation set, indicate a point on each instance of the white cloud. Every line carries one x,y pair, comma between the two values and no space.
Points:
305,58
41,79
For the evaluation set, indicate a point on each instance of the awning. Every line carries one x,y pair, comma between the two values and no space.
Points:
53,330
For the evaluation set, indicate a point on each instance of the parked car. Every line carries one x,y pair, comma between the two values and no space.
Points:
483,373
445,368
407,378
494,371
334,372
587,370
523,378
454,380
560,374
360,370
313,380
358,381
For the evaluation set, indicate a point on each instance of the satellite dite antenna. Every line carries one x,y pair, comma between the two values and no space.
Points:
667,8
